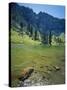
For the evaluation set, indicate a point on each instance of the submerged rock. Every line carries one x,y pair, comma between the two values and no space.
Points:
41,66
56,68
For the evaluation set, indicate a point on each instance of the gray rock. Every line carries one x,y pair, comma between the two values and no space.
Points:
56,68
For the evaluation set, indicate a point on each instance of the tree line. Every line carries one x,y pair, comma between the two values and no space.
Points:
49,38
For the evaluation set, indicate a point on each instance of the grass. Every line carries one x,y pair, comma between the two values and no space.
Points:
28,53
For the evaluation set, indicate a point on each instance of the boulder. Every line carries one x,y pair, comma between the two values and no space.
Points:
56,68
26,73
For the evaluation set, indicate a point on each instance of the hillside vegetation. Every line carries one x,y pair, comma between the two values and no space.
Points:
25,39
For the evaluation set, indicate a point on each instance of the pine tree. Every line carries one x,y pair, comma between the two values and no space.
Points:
21,28
35,35
50,38
30,30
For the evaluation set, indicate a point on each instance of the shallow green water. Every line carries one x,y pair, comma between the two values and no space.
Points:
41,58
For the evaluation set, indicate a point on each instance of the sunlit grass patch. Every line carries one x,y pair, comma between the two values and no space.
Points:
16,37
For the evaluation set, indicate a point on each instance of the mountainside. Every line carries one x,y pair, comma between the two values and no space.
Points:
41,21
